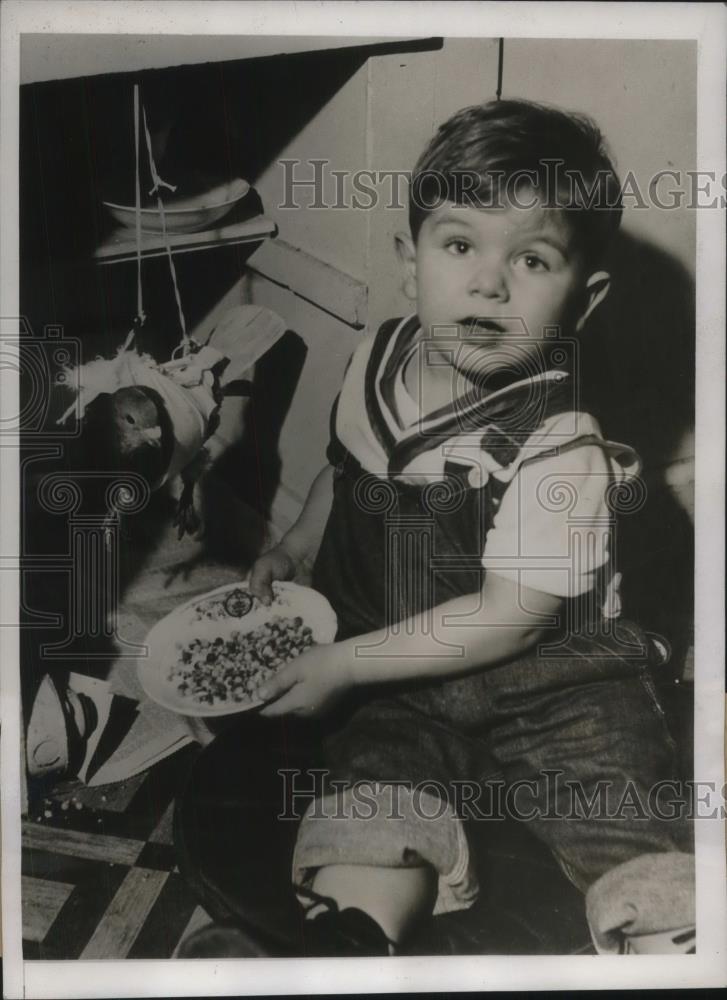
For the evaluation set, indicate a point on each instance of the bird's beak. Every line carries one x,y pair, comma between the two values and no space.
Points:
153,436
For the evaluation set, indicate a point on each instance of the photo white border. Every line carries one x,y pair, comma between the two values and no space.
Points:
704,22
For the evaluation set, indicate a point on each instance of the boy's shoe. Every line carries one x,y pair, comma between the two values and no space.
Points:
333,934
349,932
675,942
645,906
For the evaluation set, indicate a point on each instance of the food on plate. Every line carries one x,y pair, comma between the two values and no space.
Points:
230,669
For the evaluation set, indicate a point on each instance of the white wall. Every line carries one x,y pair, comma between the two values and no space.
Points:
337,133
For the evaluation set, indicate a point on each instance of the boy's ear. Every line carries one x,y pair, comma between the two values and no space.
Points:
406,252
597,288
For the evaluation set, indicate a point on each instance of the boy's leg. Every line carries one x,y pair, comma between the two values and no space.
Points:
599,783
396,898
597,776
388,839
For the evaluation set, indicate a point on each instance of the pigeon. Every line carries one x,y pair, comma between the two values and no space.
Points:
128,430
159,420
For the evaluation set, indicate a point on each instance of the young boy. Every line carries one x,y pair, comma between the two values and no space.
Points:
462,533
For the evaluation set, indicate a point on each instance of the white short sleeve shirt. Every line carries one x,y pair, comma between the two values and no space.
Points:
553,528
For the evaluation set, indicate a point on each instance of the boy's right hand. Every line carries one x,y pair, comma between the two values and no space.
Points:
277,564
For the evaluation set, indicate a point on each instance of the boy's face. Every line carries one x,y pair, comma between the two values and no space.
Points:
500,276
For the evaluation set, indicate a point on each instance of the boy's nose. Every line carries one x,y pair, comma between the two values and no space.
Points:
488,280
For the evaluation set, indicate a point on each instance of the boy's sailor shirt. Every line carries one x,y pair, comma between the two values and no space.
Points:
556,478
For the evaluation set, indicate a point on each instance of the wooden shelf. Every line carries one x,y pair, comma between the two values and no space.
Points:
312,279
120,245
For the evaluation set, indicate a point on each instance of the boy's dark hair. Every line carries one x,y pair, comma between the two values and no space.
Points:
485,154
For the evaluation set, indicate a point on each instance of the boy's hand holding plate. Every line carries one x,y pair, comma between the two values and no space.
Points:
310,685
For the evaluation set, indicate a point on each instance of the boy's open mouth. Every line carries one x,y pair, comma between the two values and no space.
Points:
476,324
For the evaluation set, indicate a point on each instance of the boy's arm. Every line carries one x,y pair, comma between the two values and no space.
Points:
303,540
444,643
509,621
297,549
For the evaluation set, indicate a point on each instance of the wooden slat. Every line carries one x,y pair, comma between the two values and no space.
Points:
162,832
94,846
94,886
312,279
122,921
41,904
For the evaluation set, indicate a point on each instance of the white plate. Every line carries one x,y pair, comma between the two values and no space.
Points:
184,215
205,617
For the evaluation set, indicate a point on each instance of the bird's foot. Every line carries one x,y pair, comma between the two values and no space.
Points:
186,520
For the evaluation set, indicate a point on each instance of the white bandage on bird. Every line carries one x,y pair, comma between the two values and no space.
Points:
161,417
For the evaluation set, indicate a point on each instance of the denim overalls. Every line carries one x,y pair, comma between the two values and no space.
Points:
575,727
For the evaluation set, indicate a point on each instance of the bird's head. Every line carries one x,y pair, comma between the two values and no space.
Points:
137,419
129,430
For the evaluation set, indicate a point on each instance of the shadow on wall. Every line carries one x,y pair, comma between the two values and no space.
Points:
251,466
637,376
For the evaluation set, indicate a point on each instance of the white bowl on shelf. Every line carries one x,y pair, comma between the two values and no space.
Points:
184,215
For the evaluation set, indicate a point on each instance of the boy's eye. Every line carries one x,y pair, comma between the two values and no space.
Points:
532,262
458,246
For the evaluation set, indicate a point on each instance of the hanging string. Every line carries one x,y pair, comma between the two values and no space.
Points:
185,345
140,314
500,63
